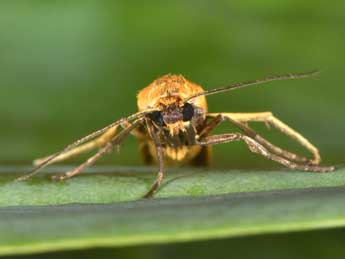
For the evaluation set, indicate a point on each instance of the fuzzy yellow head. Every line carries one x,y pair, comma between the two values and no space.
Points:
169,90
167,94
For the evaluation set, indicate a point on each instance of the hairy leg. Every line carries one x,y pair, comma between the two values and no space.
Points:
107,147
89,146
257,148
250,132
81,141
269,119
160,157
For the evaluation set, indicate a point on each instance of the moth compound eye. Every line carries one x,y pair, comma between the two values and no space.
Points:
188,112
157,117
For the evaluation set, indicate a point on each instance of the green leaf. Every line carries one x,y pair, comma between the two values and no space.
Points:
239,211
113,184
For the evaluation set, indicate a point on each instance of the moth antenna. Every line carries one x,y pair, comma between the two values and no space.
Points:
254,82
94,134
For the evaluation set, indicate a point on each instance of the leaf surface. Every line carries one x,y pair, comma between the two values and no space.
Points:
102,209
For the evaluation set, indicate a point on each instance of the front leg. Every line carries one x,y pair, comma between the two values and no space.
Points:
107,147
239,121
160,158
257,148
269,119
99,142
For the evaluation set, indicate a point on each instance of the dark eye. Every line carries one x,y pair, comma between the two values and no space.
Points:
188,112
157,117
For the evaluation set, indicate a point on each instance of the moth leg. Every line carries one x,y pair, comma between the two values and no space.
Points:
218,119
107,147
270,119
91,145
160,174
250,132
257,148
90,161
160,158
135,132
78,142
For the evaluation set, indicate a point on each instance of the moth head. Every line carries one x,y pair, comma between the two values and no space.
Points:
173,117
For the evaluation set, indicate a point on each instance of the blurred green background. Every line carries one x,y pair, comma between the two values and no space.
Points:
70,67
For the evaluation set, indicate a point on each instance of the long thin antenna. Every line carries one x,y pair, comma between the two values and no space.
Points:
81,141
254,82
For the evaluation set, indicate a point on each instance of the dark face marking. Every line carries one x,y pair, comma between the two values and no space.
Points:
172,114
157,117
188,112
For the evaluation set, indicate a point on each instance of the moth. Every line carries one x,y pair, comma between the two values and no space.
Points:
173,126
